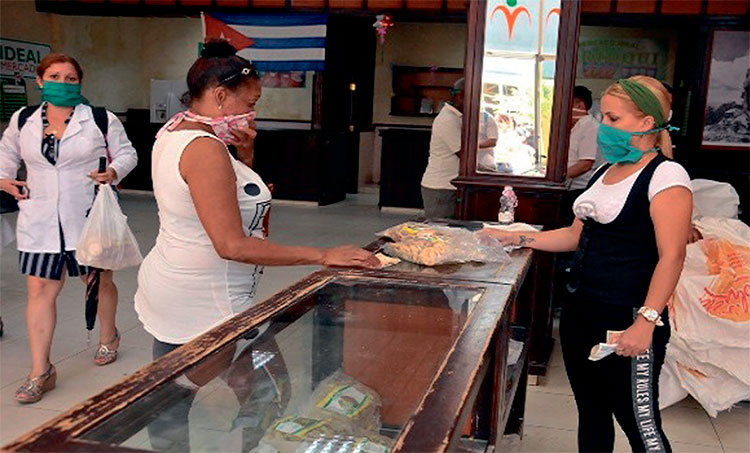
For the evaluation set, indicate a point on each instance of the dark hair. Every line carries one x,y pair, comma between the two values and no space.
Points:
52,58
218,65
584,94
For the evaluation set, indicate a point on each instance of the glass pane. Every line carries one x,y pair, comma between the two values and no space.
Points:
343,372
512,25
517,86
546,91
550,26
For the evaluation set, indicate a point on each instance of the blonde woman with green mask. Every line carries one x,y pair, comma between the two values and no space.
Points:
629,237
61,142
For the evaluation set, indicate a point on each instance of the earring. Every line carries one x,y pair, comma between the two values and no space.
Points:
220,107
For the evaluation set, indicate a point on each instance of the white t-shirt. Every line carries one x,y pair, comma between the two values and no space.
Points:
487,130
583,145
445,143
603,202
184,287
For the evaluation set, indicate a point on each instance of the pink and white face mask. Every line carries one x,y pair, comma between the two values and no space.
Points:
222,125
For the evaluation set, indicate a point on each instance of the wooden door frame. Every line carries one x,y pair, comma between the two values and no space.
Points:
565,64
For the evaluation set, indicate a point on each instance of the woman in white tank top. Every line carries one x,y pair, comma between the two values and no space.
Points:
211,249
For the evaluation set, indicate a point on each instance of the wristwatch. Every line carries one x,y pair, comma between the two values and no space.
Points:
651,315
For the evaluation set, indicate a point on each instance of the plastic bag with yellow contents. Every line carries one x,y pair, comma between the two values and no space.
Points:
432,245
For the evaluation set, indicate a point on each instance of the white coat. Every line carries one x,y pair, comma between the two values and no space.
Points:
63,192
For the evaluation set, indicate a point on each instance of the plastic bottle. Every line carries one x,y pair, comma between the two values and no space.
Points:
508,203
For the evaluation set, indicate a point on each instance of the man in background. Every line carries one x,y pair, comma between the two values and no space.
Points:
438,194
582,151
488,134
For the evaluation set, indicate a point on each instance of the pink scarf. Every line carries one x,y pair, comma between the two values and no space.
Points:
220,124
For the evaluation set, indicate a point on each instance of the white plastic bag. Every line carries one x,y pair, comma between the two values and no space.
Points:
714,199
708,352
714,388
431,245
106,242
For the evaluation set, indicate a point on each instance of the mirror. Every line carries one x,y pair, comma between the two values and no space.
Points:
517,86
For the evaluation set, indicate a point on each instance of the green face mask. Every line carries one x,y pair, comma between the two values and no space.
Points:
63,94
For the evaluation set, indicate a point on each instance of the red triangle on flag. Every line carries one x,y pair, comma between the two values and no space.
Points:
218,29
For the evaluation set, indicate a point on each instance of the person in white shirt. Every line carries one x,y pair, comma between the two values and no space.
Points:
438,194
630,235
211,248
488,133
582,151
61,144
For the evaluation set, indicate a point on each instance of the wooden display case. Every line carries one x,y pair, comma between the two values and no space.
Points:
421,91
432,343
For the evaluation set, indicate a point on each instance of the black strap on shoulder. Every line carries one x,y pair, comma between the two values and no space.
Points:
26,112
100,118
102,121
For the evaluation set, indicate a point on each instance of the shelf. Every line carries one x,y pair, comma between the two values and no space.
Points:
515,371
420,115
413,86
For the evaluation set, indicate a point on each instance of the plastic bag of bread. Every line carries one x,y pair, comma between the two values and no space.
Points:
347,401
416,230
106,241
431,245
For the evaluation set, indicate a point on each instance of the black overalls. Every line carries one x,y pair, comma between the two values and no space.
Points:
611,274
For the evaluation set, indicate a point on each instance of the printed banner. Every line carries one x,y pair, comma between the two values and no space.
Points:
605,58
19,59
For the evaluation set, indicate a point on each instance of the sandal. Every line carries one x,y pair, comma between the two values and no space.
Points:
107,354
33,388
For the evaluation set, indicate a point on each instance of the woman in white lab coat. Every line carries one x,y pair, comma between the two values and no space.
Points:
60,143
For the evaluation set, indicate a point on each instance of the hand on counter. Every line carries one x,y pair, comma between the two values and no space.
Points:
349,256
505,237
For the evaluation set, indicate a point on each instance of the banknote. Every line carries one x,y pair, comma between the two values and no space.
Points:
613,336
601,351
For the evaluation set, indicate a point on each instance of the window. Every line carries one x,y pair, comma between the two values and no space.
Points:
517,86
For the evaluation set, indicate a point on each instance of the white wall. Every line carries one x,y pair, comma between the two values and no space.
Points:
414,44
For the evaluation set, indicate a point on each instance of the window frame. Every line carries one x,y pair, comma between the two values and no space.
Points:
565,63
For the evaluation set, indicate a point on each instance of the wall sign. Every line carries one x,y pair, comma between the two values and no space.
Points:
608,58
20,58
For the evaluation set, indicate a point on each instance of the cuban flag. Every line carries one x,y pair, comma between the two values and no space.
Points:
273,42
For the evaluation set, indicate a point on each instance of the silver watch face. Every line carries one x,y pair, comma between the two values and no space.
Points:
650,314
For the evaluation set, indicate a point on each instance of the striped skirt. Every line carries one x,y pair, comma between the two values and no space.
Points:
50,265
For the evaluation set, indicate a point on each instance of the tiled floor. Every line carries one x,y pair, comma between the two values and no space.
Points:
551,420
551,416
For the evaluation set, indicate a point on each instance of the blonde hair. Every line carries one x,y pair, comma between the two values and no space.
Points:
663,140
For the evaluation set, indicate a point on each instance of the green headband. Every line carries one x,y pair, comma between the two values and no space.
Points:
644,98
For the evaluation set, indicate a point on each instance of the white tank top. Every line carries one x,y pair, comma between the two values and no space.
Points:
184,287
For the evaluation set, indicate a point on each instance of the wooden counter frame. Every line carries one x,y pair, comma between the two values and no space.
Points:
474,354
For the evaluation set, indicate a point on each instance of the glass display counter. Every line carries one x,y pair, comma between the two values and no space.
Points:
342,361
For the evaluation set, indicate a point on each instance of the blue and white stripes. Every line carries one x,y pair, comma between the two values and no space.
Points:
282,42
